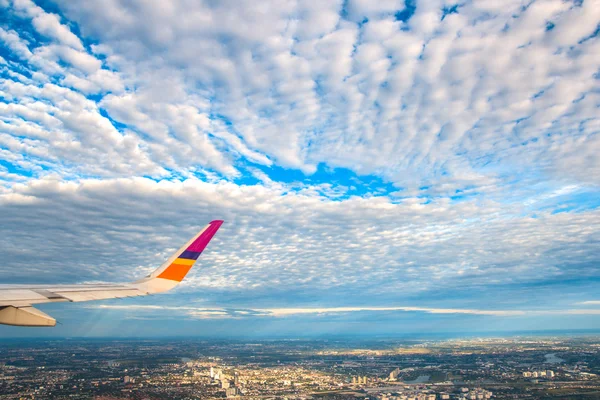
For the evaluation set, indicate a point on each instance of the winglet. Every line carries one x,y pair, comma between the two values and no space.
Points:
179,264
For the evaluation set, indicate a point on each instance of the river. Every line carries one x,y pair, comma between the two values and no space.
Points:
553,359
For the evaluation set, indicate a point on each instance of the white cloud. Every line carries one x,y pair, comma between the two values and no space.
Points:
219,313
14,43
78,59
282,312
48,24
53,124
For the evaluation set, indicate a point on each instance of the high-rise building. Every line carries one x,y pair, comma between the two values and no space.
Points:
212,373
225,384
354,380
550,374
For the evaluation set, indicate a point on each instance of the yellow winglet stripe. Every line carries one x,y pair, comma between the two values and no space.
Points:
184,261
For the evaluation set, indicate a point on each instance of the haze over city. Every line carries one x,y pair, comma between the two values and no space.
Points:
383,168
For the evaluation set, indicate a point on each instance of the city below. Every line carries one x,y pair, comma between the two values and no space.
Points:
459,369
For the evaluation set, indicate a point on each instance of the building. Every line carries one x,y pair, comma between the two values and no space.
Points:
550,374
394,374
232,392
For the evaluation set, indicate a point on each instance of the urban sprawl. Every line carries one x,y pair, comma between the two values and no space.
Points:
474,369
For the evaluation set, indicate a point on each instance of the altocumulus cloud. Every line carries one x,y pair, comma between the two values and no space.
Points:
278,240
365,155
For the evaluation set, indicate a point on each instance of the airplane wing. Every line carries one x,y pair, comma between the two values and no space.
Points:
16,301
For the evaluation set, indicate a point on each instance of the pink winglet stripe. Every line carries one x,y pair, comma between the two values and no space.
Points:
202,241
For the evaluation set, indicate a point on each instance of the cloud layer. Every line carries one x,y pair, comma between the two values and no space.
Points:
461,95
436,155
279,241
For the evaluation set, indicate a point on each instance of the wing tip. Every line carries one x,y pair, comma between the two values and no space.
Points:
185,258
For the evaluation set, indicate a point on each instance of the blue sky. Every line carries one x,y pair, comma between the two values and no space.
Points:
382,167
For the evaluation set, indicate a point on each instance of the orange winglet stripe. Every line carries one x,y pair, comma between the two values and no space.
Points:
175,272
